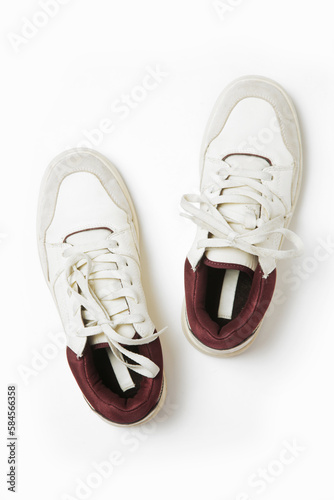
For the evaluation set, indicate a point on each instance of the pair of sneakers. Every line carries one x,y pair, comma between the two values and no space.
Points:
88,242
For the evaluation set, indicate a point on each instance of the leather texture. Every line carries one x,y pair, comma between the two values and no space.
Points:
81,193
83,200
244,110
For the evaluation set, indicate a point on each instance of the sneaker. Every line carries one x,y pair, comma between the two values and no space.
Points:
251,165
89,251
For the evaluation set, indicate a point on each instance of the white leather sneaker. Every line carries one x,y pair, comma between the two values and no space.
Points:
89,251
250,174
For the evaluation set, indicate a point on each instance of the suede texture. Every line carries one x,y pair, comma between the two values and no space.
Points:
108,404
237,330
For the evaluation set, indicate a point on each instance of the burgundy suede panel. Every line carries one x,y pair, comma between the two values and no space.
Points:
107,403
223,265
102,345
239,329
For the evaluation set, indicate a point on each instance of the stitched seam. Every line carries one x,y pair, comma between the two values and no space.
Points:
230,266
79,170
259,96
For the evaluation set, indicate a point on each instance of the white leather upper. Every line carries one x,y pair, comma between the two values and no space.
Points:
81,196
83,203
252,126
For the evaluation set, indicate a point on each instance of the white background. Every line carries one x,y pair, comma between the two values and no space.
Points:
225,419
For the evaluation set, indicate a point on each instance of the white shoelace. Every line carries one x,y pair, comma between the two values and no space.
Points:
213,217
89,262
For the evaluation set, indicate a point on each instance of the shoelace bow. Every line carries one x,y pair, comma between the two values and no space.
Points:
93,261
246,184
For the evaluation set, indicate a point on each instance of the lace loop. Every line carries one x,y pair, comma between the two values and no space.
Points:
215,218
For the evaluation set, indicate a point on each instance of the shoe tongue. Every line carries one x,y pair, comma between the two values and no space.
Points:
115,308
250,207
120,305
